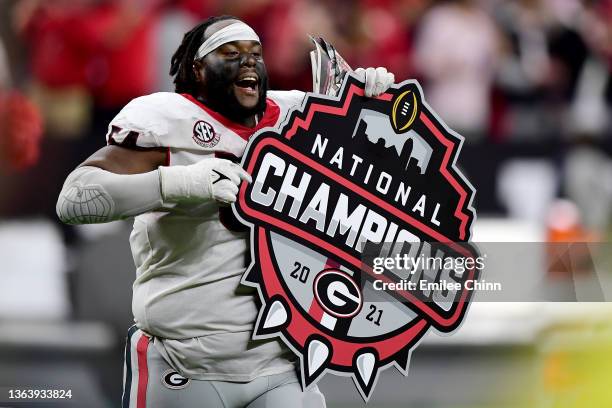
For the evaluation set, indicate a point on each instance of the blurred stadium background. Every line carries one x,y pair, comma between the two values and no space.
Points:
527,82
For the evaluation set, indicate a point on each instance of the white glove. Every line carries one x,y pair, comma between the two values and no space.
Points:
377,80
208,179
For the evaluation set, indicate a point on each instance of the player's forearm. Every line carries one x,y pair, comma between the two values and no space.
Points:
91,195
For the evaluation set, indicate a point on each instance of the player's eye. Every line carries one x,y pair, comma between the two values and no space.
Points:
232,54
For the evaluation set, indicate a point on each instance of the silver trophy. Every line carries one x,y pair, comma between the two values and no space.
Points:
328,68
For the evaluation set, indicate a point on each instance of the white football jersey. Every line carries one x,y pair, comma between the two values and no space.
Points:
187,291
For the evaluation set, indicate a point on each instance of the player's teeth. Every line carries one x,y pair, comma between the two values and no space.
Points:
365,365
317,355
277,315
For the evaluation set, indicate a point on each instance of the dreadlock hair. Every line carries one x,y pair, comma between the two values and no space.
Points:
181,64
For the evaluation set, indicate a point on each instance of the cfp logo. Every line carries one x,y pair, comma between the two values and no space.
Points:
204,134
405,109
173,380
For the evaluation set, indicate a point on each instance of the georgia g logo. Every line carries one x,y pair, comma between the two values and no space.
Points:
173,380
343,181
204,134
337,293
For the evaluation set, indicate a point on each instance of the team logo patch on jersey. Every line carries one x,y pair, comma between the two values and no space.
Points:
204,134
343,182
173,380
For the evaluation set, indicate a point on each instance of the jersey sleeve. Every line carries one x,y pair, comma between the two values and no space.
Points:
287,100
142,123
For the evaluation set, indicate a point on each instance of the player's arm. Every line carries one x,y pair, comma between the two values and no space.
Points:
117,183
121,160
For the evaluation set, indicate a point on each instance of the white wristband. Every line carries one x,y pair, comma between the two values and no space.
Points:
182,184
208,179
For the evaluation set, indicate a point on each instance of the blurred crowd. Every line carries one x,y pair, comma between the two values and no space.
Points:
527,82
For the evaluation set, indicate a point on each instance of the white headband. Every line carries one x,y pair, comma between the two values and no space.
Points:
234,32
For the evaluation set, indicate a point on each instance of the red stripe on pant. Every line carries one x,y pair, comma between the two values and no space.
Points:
143,371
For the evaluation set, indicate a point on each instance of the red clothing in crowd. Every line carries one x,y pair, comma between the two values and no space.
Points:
122,68
105,48
58,47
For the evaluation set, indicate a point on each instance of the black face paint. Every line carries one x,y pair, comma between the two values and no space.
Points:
218,91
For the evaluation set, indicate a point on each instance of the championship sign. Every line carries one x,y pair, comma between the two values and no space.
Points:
345,182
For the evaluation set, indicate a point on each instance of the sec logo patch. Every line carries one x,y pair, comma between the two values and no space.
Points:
204,134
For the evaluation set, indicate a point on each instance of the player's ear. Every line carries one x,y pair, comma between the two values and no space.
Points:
198,71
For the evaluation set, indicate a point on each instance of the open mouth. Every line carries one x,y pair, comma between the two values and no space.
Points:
248,85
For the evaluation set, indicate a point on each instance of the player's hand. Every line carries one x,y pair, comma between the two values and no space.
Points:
377,80
225,178
208,179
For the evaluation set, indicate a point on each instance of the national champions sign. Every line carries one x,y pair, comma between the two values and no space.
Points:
344,181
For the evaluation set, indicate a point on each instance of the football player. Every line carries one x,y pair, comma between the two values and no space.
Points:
168,163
